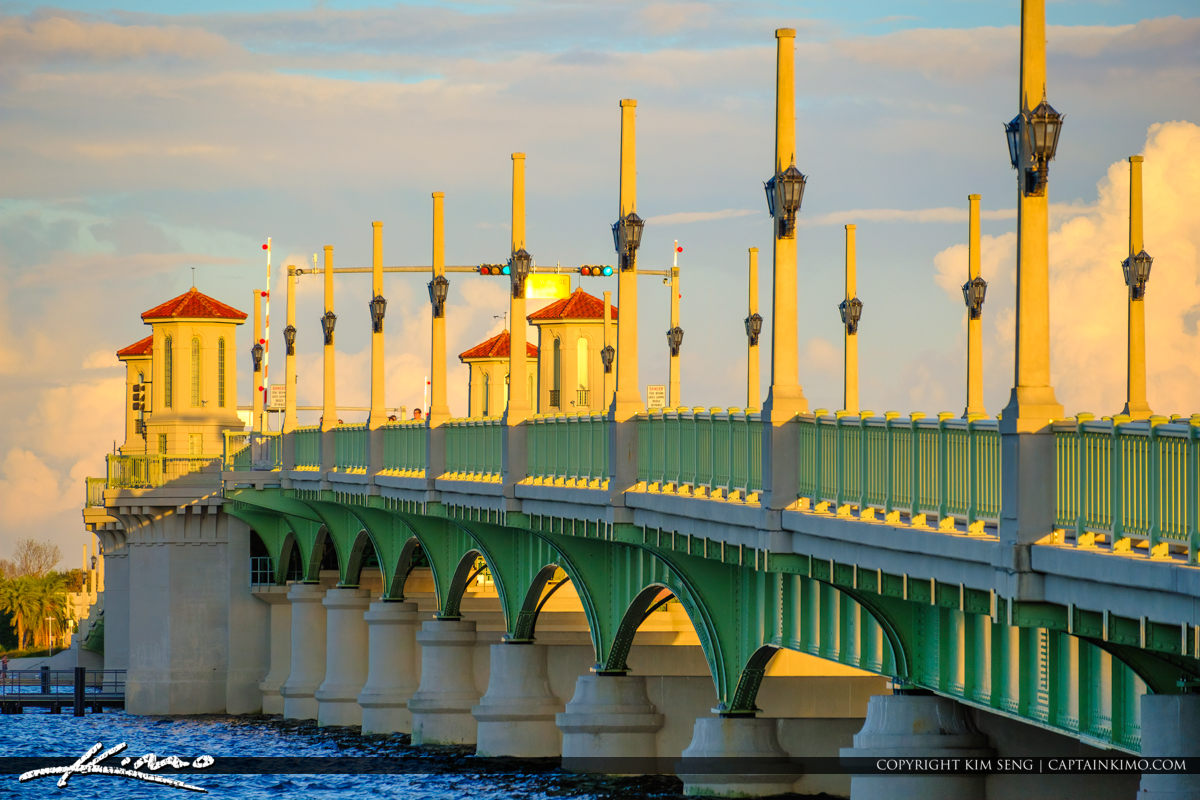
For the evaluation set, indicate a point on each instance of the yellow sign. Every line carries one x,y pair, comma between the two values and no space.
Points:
547,286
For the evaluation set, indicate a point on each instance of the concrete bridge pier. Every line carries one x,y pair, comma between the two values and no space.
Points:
308,651
609,720
391,667
717,740
917,725
1170,727
345,657
279,627
441,707
516,715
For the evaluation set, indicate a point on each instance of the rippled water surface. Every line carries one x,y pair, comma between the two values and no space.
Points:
440,773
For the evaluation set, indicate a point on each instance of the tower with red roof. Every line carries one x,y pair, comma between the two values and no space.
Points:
181,380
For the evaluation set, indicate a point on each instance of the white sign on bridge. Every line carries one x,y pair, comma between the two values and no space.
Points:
656,395
278,397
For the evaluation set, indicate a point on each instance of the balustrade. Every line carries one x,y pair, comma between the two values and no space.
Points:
308,447
350,448
404,446
712,449
152,471
474,446
1129,481
948,467
563,447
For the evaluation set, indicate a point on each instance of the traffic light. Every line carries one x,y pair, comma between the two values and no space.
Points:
139,397
494,269
596,270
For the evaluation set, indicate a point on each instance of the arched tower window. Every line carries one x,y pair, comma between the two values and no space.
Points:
168,370
221,372
556,374
195,371
487,393
582,365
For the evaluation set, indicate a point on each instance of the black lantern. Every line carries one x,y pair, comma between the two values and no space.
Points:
627,236
256,353
378,306
785,192
439,287
327,323
974,291
606,356
289,339
521,264
851,311
1038,132
1012,131
1044,124
93,563
1137,274
754,327
675,339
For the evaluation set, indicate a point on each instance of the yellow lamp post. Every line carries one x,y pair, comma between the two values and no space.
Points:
377,306
974,291
851,312
1136,269
289,360
520,263
439,288
1027,456
627,237
754,323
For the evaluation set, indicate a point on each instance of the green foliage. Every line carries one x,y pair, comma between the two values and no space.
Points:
29,600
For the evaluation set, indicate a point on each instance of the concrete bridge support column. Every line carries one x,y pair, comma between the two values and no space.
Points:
308,651
345,657
441,708
279,625
1170,727
715,740
391,667
921,726
610,718
516,714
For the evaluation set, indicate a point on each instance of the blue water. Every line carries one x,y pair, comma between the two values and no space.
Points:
445,772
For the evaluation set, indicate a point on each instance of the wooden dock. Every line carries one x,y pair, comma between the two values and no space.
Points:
76,689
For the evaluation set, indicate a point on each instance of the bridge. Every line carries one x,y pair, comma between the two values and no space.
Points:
1020,581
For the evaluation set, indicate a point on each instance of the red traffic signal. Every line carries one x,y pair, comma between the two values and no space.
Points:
493,269
596,270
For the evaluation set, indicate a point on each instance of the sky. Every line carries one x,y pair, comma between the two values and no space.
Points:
140,140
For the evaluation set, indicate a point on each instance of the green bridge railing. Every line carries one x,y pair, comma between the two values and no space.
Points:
308,447
474,447
152,471
710,448
350,448
948,467
564,447
1131,481
404,447
94,491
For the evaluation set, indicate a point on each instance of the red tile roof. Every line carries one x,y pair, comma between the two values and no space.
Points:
496,347
193,304
139,348
580,305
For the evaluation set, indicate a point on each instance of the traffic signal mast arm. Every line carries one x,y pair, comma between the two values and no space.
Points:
476,268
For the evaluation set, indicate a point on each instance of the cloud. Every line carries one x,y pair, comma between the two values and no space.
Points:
57,37
687,217
920,215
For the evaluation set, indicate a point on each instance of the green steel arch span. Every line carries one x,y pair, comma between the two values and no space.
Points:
1020,660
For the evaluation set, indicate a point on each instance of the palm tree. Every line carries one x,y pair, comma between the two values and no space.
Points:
17,600
48,598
